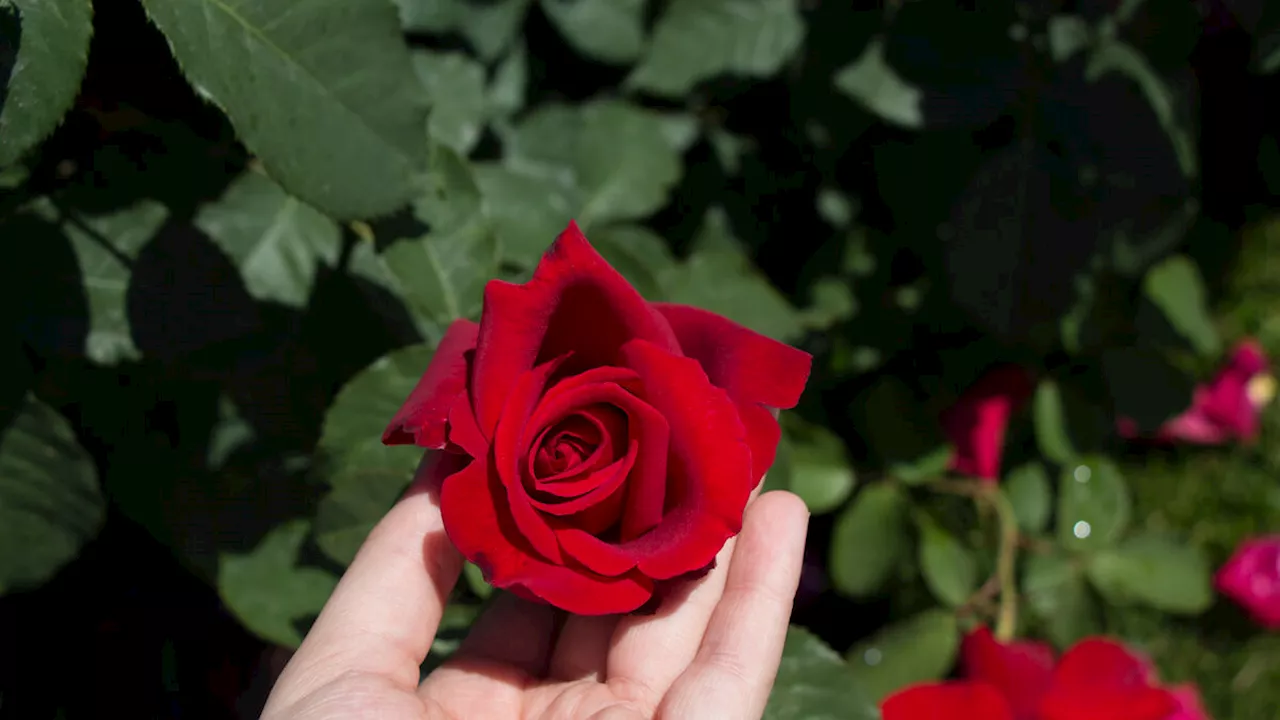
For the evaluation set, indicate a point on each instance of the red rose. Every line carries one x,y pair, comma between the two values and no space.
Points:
976,423
594,443
1097,679
1021,671
1227,408
1252,578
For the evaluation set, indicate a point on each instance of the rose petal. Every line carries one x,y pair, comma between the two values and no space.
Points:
976,424
955,700
763,435
576,303
610,426
1251,578
708,463
487,536
463,429
750,367
1021,671
480,529
1101,679
595,554
647,428
506,457
604,483
423,417
585,593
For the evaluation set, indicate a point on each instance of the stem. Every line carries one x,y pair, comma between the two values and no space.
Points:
989,495
1006,565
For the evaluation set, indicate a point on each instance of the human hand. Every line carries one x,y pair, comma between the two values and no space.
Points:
711,650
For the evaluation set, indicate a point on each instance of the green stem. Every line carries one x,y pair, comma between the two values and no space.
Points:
1006,565
985,494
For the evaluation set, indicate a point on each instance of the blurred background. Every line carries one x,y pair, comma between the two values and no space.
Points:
1023,241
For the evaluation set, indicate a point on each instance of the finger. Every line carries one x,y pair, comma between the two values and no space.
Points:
506,648
384,612
736,664
582,648
649,653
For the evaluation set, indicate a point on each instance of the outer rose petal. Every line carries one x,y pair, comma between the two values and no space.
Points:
576,303
956,700
1102,680
484,533
763,434
750,367
976,424
708,464
1252,579
1021,671
423,418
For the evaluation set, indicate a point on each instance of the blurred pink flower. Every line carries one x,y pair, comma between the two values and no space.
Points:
1226,408
1252,578
976,423
1189,705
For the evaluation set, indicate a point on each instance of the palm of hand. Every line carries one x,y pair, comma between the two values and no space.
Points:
711,650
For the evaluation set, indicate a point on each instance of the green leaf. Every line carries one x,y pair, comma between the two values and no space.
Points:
105,247
528,206
695,40
322,91
873,83
1093,505
443,276
269,591
50,50
277,241
1055,590
459,103
1112,55
1177,289
475,580
638,253
510,82
1157,571
818,467
615,158
50,503
611,32
870,537
950,570
831,303
1051,423
365,477
1028,491
489,26
918,649
720,278
813,684
905,439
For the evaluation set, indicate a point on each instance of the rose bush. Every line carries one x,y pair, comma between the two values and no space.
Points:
595,444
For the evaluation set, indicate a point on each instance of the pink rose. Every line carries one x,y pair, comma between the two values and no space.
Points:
976,424
1225,409
1189,705
1252,578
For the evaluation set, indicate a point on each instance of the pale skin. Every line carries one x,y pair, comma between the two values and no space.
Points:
711,650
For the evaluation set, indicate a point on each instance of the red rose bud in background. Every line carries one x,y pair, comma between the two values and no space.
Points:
1226,409
976,423
1252,578
593,444
1097,679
